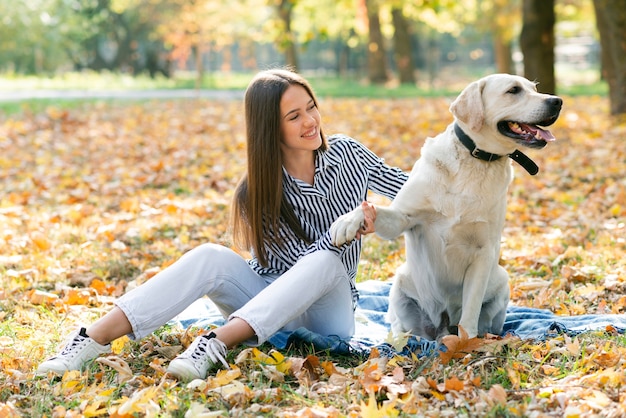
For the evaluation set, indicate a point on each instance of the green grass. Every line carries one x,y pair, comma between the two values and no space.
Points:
325,86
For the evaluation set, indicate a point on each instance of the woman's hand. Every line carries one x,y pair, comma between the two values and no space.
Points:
369,213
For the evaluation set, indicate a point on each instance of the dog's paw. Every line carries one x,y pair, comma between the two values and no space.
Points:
345,228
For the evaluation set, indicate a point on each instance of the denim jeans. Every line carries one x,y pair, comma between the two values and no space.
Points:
314,294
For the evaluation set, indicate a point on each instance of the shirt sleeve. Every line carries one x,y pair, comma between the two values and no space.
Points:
383,179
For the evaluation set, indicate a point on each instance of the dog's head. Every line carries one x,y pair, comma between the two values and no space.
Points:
506,108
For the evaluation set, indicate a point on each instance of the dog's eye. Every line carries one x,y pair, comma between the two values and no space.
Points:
514,90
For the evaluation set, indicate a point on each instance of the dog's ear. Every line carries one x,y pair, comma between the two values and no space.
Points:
468,107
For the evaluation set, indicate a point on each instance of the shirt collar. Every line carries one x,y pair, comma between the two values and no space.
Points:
327,158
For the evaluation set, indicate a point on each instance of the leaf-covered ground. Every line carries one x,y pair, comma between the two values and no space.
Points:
98,199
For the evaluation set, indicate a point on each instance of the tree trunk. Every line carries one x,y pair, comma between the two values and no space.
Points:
537,43
287,41
402,47
500,19
376,56
503,56
199,56
611,23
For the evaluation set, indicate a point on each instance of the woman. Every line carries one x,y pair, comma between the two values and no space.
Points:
297,183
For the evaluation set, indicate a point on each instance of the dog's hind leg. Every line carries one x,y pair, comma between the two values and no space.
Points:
406,315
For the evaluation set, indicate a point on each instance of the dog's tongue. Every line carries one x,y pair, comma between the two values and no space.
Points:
545,134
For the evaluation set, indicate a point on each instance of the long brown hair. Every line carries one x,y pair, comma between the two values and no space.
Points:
258,203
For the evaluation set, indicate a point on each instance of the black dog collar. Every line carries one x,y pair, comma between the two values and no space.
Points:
517,156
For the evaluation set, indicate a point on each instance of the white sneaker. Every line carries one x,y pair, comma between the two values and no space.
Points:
79,350
203,353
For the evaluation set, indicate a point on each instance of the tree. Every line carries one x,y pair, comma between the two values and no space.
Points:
611,23
500,18
376,52
537,43
402,47
286,41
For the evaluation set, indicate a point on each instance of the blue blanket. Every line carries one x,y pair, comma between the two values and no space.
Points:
372,329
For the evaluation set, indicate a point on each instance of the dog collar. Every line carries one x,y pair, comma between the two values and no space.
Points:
517,155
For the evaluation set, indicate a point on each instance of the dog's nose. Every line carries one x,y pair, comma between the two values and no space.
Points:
555,102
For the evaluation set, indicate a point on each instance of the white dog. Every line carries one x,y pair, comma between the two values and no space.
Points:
452,210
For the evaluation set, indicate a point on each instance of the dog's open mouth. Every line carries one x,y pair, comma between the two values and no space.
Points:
527,134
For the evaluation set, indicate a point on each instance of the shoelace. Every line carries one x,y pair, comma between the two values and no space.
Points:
210,346
68,350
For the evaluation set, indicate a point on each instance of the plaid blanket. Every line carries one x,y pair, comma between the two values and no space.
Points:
372,330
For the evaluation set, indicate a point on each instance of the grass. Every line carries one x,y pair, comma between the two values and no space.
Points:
573,84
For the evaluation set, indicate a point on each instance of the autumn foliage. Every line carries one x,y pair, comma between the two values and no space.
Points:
98,199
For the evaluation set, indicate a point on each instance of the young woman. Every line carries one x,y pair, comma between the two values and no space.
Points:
297,183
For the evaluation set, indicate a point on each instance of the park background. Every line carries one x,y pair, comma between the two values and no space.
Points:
122,138
204,44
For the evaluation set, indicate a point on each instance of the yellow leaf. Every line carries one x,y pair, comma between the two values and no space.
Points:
282,364
118,345
94,410
616,210
40,241
372,410
607,359
77,297
224,377
144,402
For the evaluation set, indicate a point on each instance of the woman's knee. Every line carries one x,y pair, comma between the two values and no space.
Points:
325,262
326,256
213,252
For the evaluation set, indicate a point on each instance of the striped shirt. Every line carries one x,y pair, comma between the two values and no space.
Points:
343,175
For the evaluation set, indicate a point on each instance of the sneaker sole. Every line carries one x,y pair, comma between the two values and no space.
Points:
182,373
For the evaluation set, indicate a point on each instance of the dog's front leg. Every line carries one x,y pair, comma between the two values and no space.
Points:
391,223
474,289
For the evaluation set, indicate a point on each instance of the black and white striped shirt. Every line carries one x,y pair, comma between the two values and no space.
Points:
343,175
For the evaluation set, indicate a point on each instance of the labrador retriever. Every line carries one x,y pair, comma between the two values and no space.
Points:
452,210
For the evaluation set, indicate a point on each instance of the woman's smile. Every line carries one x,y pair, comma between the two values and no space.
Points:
311,133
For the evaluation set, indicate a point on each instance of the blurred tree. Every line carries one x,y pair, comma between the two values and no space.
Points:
197,30
402,46
537,43
286,41
330,22
112,35
500,18
34,35
376,51
611,23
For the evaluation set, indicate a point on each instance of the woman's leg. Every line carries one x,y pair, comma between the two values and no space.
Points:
209,269
315,294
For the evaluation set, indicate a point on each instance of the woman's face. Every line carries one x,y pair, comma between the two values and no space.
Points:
300,120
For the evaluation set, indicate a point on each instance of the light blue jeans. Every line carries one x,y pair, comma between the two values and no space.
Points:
314,294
